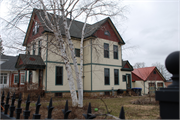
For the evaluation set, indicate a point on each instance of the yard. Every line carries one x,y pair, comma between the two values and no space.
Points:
114,104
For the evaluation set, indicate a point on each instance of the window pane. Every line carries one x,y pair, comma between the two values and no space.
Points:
106,50
22,78
116,76
77,52
5,79
59,75
1,80
15,78
115,49
106,76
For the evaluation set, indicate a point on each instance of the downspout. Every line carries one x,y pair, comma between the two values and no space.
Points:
46,62
91,65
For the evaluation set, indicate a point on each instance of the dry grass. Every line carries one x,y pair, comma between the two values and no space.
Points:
132,111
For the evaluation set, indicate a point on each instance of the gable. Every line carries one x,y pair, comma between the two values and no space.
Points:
126,65
135,77
29,35
106,27
155,76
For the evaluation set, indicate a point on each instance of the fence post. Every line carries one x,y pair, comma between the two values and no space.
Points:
122,114
50,108
66,111
87,116
7,104
26,111
19,109
37,115
169,97
12,107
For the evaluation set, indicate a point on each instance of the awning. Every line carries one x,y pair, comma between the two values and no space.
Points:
29,62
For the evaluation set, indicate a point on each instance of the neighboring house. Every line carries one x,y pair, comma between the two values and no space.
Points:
148,78
168,82
9,74
102,72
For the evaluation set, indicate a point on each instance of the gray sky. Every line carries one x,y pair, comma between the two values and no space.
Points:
151,30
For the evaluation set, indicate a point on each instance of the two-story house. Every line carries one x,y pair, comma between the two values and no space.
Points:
104,70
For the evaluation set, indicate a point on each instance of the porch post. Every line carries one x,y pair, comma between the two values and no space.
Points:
18,79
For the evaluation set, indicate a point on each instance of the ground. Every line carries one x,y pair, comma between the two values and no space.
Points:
114,104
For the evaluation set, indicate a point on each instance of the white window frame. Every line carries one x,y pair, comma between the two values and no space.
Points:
21,78
3,78
14,78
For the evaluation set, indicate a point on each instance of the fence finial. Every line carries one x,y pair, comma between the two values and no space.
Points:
12,107
37,115
7,104
88,115
19,109
26,113
2,100
50,108
122,115
66,111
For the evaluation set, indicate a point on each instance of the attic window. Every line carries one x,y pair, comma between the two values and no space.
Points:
154,72
107,33
36,28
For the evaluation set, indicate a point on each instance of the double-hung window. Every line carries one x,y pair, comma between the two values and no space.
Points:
22,78
39,47
124,78
116,76
3,78
115,51
59,75
77,52
16,78
35,29
106,50
34,49
106,76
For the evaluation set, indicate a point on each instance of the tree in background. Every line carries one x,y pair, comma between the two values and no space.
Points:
1,46
139,65
162,70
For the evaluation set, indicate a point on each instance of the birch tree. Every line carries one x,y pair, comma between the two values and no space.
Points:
57,10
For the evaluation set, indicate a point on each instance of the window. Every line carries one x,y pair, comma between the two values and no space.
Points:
116,76
16,78
106,50
107,33
124,78
36,28
58,94
28,50
3,78
115,49
22,78
34,49
40,45
30,77
106,76
77,52
154,72
59,75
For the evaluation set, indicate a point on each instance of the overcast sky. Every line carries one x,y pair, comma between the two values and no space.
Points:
151,30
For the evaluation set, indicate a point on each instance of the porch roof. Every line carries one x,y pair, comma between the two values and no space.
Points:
29,62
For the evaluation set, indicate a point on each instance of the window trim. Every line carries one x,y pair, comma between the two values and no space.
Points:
115,51
105,76
123,78
79,52
56,75
3,79
105,50
118,76
14,78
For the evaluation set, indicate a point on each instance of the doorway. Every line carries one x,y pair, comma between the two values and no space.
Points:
40,78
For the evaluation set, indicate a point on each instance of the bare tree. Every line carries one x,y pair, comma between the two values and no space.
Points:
139,65
53,11
162,70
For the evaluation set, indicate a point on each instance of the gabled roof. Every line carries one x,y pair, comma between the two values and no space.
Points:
29,62
145,72
75,29
126,66
9,63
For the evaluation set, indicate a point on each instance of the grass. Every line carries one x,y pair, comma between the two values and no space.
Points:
132,111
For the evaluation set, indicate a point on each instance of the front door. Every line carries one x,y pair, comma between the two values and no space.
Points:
40,78
128,81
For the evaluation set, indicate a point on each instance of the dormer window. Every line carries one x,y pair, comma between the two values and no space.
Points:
107,33
36,28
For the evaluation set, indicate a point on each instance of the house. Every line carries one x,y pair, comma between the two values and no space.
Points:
147,78
168,82
103,71
9,74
